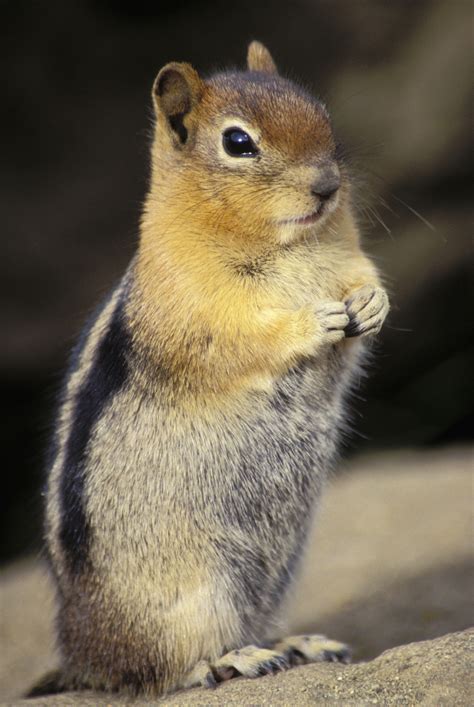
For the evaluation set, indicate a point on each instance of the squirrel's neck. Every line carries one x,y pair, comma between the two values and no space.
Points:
193,259
187,239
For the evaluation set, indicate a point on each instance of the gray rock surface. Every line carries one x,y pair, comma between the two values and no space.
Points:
390,563
436,673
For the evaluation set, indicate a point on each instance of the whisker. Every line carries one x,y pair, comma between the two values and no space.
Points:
415,212
398,328
387,206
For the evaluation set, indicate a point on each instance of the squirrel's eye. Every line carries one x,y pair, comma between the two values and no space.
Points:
238,143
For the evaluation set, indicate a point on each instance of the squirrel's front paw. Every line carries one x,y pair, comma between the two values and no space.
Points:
367,308
332,319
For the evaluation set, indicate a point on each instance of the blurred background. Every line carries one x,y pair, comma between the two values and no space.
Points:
76,125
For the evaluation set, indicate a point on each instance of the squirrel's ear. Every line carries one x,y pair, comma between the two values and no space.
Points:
176,92
260,59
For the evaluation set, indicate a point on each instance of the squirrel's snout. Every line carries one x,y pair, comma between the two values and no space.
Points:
326,185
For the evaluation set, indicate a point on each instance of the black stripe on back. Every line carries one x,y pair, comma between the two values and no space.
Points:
107,376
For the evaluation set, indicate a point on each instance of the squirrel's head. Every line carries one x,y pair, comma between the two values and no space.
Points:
249,152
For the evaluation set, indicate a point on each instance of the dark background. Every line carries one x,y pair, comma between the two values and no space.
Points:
76,125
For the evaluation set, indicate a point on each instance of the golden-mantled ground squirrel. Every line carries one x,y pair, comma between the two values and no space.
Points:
205,400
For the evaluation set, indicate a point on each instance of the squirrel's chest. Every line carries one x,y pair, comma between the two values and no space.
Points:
287,435
272,456
301,410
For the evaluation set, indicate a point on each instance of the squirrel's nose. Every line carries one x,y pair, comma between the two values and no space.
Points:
326,185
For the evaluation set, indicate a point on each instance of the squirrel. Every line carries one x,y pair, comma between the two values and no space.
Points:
206,398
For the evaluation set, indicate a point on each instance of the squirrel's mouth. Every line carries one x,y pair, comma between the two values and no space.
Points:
307,220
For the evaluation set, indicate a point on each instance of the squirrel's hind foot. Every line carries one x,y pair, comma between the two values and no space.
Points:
313,649
254,661
250,662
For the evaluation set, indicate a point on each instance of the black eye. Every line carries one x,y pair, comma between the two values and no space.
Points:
238,143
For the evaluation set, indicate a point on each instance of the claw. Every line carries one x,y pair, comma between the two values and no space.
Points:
352,329
367,309
209,681
309,649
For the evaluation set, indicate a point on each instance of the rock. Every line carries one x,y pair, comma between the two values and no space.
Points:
434,673
431,673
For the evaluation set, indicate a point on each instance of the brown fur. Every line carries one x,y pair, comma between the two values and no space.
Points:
194,193
204,404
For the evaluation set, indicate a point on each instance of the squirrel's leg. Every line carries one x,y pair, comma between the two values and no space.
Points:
251,662
367,308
